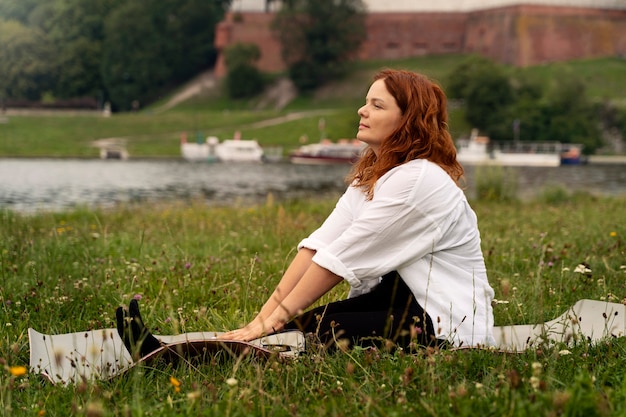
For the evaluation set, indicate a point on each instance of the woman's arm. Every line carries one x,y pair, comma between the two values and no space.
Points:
297,290
291,277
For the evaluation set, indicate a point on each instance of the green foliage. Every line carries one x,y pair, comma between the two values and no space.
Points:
243,80
240,54
486,90
495,183
497,98
19,10
25,61
119,50
461,76
136,72
318,38
554,194
76,29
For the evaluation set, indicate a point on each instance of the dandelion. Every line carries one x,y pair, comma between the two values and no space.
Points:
231,382
613,234
175,383
18,370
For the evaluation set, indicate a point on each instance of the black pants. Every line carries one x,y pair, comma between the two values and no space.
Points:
388,313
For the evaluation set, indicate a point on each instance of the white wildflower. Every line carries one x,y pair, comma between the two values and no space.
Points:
582,269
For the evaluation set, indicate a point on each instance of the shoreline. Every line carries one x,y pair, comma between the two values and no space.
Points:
591,159
606,159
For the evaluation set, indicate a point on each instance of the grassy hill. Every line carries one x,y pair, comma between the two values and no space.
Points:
153,134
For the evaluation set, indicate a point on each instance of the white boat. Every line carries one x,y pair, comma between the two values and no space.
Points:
326,152
233,150
229,150
477,151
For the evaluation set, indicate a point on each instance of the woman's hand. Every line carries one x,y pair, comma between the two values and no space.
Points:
255,329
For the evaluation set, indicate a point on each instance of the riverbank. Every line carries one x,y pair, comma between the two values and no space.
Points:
201,268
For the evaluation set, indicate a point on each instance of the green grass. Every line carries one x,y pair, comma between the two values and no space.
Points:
150,133
210,268
604,77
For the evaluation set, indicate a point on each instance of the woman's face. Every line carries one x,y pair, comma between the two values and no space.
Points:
380,116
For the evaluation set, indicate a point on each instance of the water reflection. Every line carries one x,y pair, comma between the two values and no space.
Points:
28,185
32,184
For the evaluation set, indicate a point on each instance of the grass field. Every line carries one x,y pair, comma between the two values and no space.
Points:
152,134
198,268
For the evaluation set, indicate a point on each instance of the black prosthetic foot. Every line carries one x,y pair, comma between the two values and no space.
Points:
137,338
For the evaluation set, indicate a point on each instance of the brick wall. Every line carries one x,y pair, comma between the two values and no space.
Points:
400,35
530,35
516,35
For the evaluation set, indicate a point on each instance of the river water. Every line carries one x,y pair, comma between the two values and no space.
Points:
29,185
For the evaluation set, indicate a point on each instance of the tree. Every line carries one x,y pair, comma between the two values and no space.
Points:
125,50
76,27
572,116
318,38
25,56
488,99
463,74
153,44
243,79
19,10
496,101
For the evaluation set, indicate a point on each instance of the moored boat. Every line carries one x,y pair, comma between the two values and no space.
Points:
478,150
326,152
229,150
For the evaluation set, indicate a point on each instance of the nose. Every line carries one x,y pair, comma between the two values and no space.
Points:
361,111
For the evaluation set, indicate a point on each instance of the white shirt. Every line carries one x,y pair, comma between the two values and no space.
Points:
420,224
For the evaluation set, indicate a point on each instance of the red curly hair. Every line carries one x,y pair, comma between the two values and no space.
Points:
422,133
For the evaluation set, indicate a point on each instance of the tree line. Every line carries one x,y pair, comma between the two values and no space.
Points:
126,52
507,104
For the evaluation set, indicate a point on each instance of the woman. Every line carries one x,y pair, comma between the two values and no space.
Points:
403,236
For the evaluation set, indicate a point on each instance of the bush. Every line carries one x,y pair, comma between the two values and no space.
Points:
305,75
495,183
244,81
554,194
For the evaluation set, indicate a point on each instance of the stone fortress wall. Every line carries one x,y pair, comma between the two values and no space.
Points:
511,32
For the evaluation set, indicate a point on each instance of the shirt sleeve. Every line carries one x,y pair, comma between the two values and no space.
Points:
399,225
